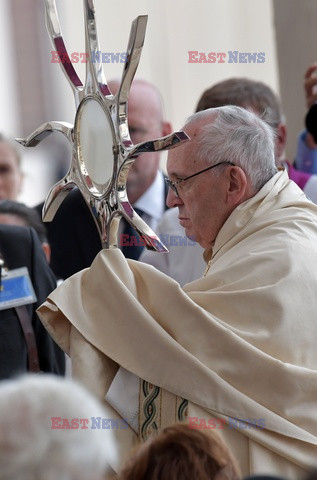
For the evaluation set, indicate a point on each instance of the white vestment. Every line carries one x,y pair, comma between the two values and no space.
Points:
239,342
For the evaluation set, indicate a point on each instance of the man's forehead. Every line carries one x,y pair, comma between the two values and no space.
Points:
180,158
183,157
199,120
193,130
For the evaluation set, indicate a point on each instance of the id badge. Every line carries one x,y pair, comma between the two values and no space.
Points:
16,288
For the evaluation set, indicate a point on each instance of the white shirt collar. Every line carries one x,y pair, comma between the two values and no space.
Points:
152,202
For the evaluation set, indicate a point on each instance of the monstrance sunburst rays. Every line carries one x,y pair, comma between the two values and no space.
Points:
102,150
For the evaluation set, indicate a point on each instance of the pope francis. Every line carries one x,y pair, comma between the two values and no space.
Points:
235,349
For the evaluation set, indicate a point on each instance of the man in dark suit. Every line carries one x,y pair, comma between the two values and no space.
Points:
72,234
20,247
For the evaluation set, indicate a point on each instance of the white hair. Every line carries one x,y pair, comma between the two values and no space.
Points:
31,450
237,135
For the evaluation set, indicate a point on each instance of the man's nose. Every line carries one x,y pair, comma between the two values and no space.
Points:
172,200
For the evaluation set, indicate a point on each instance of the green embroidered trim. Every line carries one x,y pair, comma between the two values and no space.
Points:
150,392
182,412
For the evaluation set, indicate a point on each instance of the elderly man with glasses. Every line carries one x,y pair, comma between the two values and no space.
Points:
184,262
234,350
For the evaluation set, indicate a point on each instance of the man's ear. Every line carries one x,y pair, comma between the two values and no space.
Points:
166,128
238,189
280,142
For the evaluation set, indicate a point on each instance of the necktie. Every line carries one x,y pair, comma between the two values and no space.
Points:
131,244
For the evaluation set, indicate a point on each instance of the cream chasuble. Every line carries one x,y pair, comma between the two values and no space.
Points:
237,343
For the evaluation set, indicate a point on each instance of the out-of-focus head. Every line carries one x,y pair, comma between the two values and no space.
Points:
30,449
16,213
146,122
11,176
252,95
239,147
179,452
266,477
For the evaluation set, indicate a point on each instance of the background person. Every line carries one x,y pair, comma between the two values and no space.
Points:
178,452
24,342
11,176
30,449
306,155
16,213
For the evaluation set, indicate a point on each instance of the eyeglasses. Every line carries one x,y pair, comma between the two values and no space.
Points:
173,185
